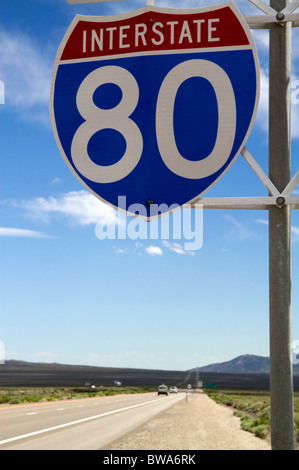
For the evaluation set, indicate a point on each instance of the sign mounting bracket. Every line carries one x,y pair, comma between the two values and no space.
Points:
272,15
255,203
275,198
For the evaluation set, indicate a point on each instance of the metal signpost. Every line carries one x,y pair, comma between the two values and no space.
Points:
279,19
73,93
281,372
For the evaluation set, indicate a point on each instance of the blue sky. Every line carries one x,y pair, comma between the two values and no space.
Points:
69,297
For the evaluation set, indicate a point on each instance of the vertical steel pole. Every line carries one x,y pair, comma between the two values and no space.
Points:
281,372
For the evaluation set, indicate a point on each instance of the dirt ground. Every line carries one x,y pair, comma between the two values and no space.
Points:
195,423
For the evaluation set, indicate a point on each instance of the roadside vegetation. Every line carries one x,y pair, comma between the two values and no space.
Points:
253,409
17,395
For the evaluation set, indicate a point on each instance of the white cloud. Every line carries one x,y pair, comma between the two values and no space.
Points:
119,250
295,232
177,248
154,250
21,233
243,5
262,221
55,181
261,39
263,108
26,74
238,230
295,111
81,207
262,117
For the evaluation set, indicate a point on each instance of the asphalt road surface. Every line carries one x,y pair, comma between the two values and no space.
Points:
84,424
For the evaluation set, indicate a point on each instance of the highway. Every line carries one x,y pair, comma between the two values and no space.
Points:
83,424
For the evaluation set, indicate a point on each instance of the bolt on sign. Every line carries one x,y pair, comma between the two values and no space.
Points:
154,104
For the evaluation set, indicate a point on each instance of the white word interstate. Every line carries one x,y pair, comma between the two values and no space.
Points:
141,34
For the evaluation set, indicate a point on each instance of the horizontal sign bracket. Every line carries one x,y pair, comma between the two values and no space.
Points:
273,16
246,203
263,21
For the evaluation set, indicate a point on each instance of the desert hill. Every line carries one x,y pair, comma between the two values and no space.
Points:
247,364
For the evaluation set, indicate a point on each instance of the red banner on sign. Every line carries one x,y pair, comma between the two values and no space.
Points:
155,31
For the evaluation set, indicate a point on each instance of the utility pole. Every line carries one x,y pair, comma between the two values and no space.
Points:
281,371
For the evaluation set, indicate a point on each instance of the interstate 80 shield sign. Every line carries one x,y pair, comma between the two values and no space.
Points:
152,107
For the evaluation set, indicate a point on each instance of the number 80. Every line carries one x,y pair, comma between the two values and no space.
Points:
118,118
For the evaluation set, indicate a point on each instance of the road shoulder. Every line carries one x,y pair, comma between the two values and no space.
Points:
195,423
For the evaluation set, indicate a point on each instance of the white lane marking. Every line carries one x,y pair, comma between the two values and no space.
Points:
60,426
33,413
59,409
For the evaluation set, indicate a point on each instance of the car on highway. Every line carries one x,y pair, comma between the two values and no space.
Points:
173,389
162,390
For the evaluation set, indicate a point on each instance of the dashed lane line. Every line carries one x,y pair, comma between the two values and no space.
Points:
60,426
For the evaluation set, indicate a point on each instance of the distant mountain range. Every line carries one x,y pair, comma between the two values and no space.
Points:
245,364
244,372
